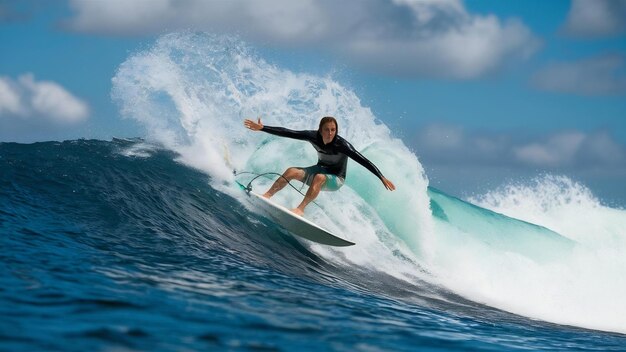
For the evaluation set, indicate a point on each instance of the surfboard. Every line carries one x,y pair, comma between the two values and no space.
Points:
295,224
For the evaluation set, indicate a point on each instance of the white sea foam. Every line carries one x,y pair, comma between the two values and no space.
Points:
191,92
583,287
562,205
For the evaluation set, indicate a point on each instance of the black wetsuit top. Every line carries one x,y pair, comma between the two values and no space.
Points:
332,157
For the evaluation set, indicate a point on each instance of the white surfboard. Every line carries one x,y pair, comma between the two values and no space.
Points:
295,224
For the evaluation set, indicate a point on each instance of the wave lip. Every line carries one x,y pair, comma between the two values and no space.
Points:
191,92
500,232
563,262
109,249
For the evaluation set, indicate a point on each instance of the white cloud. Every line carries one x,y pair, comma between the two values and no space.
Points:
51,100
278,20
43,101
558,150
600,148
573,149
451,145
440,136
595,18
414,37
598,75
427,10
448,43
445,143
9,98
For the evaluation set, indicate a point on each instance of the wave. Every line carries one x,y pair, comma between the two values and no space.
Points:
191,92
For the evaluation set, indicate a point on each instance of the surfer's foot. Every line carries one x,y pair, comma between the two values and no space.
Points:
298,211
267,195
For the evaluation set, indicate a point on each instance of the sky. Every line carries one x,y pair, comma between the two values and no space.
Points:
484,92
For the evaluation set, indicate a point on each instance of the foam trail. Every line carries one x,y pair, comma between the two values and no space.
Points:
557,202
583,287
191,91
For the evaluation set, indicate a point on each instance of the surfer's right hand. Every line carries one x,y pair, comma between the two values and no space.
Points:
255,126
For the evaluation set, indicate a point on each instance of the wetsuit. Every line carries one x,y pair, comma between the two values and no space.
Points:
332,157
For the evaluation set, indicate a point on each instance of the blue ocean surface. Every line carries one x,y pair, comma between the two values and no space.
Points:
106,250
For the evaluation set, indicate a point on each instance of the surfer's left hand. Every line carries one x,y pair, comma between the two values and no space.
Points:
388,184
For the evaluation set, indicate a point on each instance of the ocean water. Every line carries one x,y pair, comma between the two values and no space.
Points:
147,244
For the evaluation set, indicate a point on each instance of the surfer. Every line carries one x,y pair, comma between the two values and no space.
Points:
333,152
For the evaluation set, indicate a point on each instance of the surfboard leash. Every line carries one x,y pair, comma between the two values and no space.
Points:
248,187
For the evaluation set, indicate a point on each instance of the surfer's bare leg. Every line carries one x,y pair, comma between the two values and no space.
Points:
313,191
291,173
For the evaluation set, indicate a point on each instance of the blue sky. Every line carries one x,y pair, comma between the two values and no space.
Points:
483,91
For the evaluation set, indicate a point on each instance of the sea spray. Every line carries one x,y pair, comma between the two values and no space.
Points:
583,286
192,91
109,244
563,205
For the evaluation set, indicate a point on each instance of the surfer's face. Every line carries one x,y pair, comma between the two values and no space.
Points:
329,130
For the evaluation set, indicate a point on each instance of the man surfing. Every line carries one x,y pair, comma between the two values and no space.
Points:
333,152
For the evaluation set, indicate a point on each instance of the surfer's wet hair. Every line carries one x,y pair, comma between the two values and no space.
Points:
327,119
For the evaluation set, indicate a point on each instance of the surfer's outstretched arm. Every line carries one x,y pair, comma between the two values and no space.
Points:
352,153
280,131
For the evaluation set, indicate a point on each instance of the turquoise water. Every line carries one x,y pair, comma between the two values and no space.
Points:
115,245
147,244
